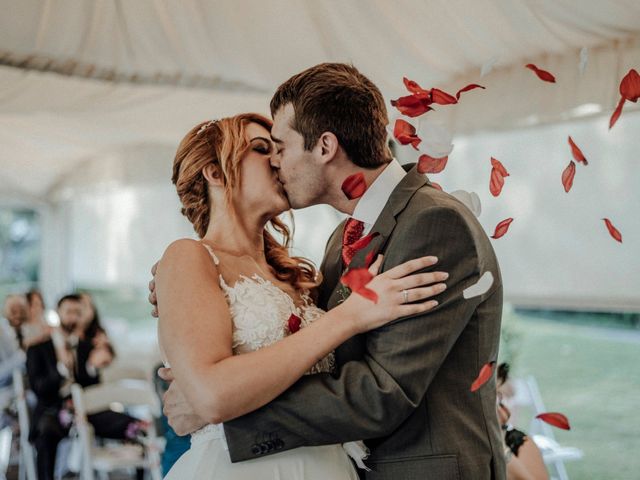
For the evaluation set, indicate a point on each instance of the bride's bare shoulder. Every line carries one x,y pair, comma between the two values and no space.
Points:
186,252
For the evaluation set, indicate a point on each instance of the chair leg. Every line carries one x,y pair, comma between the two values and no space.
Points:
562,471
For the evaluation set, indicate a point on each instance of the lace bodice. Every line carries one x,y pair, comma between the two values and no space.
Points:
260,313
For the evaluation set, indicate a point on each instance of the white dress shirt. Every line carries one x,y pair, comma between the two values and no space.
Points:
371,204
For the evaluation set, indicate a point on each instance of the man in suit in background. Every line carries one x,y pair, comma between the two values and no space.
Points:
52,366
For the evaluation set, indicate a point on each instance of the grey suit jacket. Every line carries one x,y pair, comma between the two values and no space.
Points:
405,387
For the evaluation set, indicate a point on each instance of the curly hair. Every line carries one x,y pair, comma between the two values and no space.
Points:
223,143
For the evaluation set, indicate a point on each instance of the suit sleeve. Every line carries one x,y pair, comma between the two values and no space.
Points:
372,396
44,381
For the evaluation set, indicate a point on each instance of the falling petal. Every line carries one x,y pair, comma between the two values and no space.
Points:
413,87
577,153
584,58
354,186
442,98
436,186
488,66
616,113
357,279
364,242
556,419
542,74
630,86
405,133
467,88
470,199
480,288
499,167
485,374
502,228
613,231
413,105
436,139
427,164
567,176
294,323
368,260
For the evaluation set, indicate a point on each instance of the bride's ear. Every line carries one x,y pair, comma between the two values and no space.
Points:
213,175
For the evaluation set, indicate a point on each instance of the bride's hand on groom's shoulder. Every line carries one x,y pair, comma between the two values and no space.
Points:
153,300
180,415
402,291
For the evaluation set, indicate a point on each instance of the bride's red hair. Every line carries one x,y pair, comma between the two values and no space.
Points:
223,143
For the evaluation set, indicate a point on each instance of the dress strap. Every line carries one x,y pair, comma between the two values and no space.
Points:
212,253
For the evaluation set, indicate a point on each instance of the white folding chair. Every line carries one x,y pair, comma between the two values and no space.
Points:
102,460
528,394
27,464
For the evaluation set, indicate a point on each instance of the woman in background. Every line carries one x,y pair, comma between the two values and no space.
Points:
35,329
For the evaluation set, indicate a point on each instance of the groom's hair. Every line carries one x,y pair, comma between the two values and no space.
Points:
337,98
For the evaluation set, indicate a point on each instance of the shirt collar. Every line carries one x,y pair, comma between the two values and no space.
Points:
371,204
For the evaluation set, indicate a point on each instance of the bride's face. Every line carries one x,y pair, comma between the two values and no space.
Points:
260,191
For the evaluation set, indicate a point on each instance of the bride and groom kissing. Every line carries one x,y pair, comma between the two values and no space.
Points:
278,370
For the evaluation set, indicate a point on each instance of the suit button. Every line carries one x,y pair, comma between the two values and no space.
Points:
278,444
255,449
263,448
270,445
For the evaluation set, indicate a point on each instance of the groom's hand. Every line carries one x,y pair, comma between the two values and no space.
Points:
182,418
153,300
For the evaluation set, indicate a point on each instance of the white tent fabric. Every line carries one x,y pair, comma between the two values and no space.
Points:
95,96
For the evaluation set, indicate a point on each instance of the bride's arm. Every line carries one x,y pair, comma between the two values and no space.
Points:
196,333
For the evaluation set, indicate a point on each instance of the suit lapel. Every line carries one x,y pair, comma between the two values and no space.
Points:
384,226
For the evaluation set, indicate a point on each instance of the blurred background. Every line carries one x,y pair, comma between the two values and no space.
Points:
96,95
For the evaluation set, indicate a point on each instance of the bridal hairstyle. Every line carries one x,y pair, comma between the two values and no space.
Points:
337,98
223,144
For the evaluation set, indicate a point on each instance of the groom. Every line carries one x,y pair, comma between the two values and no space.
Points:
404,388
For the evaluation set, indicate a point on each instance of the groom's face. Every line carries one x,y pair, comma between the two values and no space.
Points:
298,169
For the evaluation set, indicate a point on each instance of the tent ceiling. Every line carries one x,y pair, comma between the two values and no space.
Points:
128,68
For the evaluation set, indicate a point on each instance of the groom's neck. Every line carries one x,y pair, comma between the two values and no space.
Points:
338,199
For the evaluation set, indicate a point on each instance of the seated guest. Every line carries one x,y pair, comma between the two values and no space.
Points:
15,315
92,336
35,329
52,366
524,459
11,357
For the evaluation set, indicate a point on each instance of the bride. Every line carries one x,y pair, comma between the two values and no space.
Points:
231,304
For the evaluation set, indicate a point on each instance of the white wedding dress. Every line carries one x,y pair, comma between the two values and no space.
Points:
260,312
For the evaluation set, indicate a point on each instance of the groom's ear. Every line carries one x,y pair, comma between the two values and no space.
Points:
213,175
328,145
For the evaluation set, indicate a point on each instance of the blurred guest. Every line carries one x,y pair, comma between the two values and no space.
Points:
11,357
52,366
15,315
91,332
35,329
524,459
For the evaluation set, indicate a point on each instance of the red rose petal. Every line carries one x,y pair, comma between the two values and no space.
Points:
436,186
405,133
567,176
613,231
616,113
502,228
577,153
357,279
556,419
294,323
413,87
368,260
542,74
485,374
354,186
471,86
499,167
498,172
442,98
364,241
427,164
413,105
630,86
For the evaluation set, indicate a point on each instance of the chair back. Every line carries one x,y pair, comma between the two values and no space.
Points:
27,454
125,393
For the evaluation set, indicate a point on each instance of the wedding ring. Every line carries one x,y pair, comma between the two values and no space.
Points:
405,296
